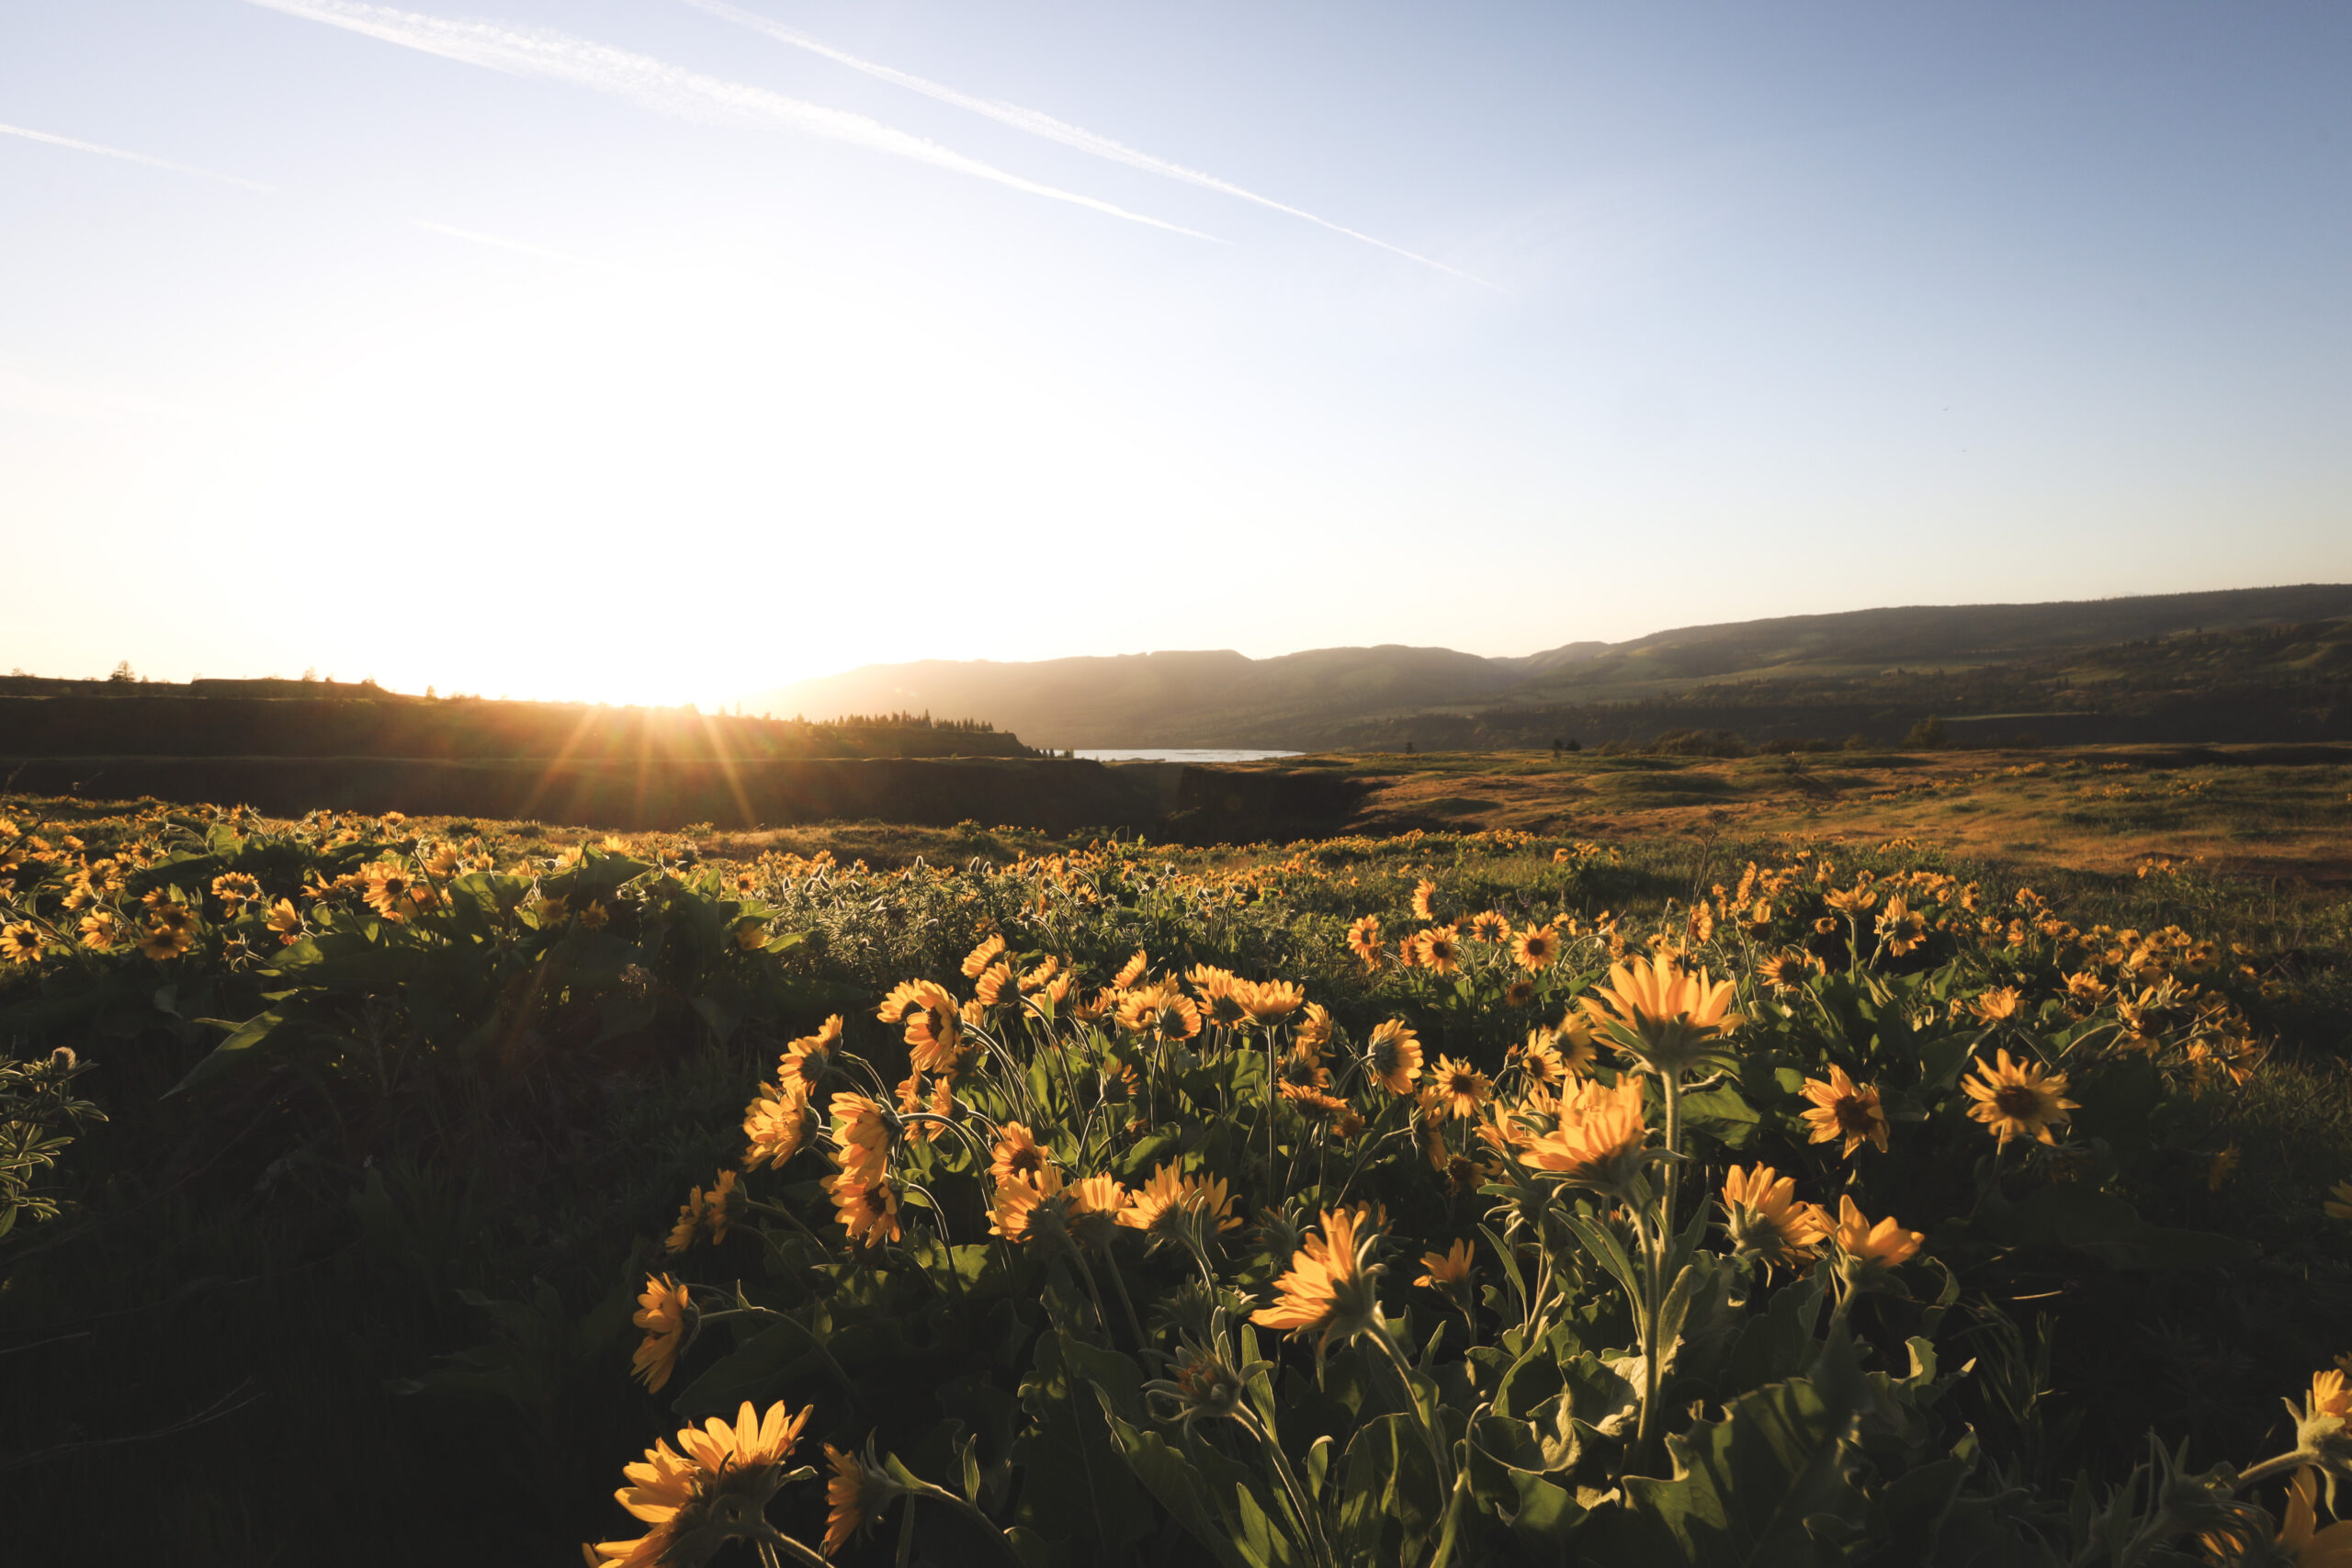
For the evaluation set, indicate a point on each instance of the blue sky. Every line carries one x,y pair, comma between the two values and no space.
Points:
621,349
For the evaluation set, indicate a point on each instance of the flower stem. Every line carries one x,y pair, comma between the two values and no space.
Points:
1308,1518
1673,1088
2273,1466
940,1495
1388,1342
1126,1302
774,1546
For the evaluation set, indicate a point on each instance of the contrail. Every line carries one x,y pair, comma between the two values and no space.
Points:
482,239
669,89
132,157
1044,125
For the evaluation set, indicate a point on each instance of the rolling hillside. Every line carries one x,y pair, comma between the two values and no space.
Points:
2158,667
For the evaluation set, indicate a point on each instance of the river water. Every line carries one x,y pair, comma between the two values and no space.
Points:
1173,754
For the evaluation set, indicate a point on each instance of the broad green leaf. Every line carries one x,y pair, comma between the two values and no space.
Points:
238,1048
1390,1503
2103,1226
1743,1487
1180,1488
1778,1342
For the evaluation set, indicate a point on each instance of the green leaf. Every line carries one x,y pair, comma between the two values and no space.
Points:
1180,1488
1605,1247
1118,1380
1776,1343
1506,1465
1743,1488
1940,1062
1722,1113
1074,1491
1391,1504
784,1353
2103,1226
243,1039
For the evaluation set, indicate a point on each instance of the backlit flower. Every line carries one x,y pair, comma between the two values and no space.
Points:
1438,949
1786,972
933,1025
1573,1039
1664,1016
1489,927
1393,1055
1331,1285
2085,993
864,1135
2017,1099
1842,1109
286,922
776,1124
1872,1247
803,1064
1155,1207
996,987
1601,1140
713,1488
1450,1268
1131,971
1019,1211
1900,929
392,892
662,1309
1363,940
1095,1204
703,1211
1271,1001
1421,895
160,941
1766,1222
867,1209
1018,1156
1329,1108
857,1494
1540,1062
1996,1006
978,959
1459,1088
1221,995
1161,1009
2302,1544
235,889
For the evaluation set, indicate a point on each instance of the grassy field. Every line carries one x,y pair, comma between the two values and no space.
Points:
2092,808
367,1286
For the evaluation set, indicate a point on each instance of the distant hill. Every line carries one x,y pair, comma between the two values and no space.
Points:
1162,699
50,718
1869,672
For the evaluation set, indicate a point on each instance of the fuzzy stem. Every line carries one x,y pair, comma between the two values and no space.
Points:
2274,1466
1126,1302
1380,1336
1308,1518
940,1495
774,1546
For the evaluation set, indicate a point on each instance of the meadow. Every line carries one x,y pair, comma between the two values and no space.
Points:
1745,1176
